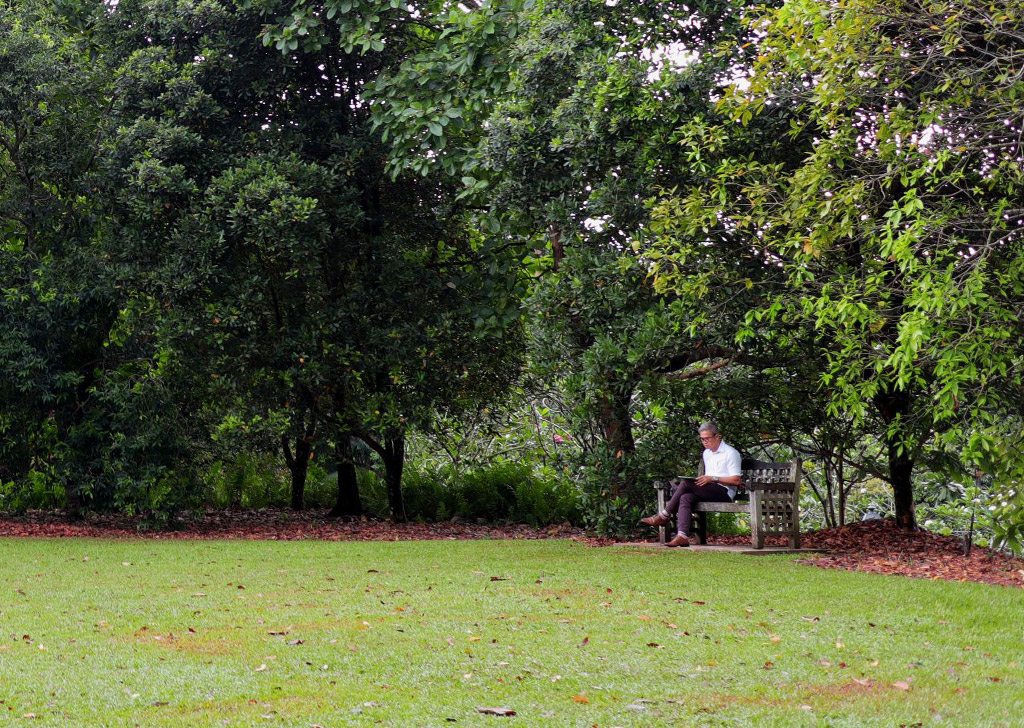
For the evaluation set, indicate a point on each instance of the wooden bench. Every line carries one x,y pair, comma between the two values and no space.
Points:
773,490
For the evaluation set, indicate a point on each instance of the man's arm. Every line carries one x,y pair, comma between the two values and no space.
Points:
733,466
733,480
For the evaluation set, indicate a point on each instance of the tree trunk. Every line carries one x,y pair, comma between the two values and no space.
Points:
841,480
894,406
73,495
617,428
348,503
298,465
394,462
69,418
617,425
901,466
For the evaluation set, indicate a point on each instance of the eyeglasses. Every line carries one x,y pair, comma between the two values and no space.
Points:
706,438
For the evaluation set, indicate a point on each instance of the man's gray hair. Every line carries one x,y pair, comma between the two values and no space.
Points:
709,427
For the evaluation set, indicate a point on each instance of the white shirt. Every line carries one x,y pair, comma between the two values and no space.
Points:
724,461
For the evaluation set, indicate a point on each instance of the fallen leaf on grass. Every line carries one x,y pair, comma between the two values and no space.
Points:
261,668
581,698
496,711
901,685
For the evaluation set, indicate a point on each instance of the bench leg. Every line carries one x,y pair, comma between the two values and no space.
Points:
756,526
661,507
794,539
700,526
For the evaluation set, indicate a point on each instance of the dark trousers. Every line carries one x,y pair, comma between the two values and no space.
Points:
688,494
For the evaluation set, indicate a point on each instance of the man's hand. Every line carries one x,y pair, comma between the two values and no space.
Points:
726,480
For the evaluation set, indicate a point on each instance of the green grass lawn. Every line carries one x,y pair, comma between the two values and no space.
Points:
152,633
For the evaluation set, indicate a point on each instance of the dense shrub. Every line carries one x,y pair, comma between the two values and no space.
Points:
504,492
250,481
38,489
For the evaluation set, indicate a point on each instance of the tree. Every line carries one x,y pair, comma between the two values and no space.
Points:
58,302
600,107
901,229
293,268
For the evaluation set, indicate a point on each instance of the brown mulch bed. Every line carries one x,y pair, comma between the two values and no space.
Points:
266,524
875,546
879,547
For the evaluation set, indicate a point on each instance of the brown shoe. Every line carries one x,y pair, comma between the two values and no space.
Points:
656,520
679,540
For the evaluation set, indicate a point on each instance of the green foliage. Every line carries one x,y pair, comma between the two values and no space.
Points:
250,481
212,246
438,70
35,490
898,229
612,492
1007,514
501,493
728,523
258,480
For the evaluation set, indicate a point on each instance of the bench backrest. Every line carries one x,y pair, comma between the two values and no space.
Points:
762,473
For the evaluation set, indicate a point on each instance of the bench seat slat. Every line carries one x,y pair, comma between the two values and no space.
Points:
723,507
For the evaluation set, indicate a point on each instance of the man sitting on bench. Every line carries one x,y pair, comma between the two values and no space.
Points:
722,475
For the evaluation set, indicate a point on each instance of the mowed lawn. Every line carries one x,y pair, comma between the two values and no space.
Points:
234,633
